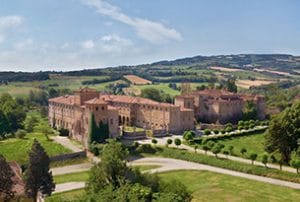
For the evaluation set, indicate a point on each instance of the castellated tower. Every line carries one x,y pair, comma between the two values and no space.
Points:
260,107
85,94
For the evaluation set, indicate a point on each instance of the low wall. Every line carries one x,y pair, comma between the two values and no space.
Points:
134,135
159,133
204,126
63,157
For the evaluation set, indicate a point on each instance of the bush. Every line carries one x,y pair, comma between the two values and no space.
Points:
240,127
228,129
189,135
63,132
241,123
169,141
223,131
177,142
96,148
216,131
252,125
146,148
21,134
210,144
207,132
154,141
264,159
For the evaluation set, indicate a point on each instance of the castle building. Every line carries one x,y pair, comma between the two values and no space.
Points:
73,112
219,106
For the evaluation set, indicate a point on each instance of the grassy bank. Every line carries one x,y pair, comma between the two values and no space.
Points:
227,164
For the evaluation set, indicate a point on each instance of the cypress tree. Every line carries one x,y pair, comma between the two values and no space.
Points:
92,129
6,183
38,178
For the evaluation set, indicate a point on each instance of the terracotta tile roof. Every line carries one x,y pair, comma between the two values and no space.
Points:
67,99
95,101
19,186
133,100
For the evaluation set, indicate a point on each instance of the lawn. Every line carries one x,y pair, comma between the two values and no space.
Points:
84,176
66,196
253,144
209,186
72,177
15,149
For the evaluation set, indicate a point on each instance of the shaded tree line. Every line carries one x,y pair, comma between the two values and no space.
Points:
12,115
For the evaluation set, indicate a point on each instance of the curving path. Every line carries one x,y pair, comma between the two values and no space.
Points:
168,164
163,141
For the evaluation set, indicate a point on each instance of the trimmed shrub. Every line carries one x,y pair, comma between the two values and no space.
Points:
207,132
216,131
189,135
21,134
146,148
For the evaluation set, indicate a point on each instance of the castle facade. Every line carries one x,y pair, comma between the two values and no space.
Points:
219,106
73,112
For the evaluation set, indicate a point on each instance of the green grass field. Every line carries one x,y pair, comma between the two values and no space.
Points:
15,149
209,186
66,196
72,177
253,144
84,176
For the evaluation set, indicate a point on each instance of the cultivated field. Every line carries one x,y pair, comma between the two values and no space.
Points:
20,89
272,71
136,80
224,69
245,83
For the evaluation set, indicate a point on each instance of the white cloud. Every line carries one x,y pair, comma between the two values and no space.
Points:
7,23
152,31
26,44
10,21
89,44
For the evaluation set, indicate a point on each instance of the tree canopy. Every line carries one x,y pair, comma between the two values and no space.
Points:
6,182
12,115
113,180
38,177
284,132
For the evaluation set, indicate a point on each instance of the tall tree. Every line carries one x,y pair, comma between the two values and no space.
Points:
284,132
112,168
6,182
92,129
13,114
38,177
249,111
152,93
231,86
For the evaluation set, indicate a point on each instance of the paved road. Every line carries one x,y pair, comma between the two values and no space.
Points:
168,164
162,141
69,186
71,169
66,142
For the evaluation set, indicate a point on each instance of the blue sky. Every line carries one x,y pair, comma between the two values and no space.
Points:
75,34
